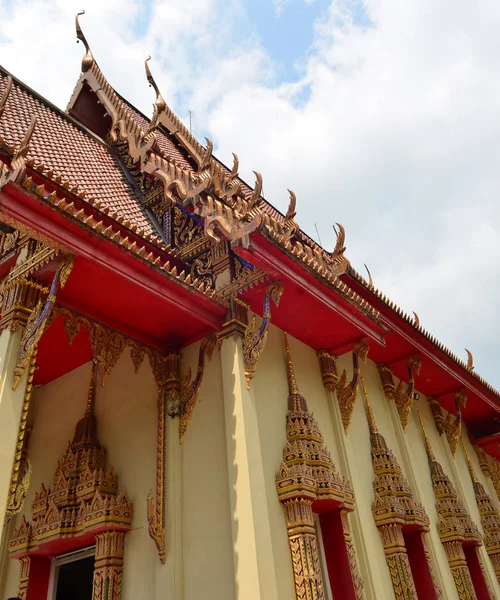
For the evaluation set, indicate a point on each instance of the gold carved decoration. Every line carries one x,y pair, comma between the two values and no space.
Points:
190,390
255,338
19,484
395,510
455,527
403,395
307,475
346,391
490,519
84,502
17,168
483,460
450,424
166,369
38,320
495,476
236,322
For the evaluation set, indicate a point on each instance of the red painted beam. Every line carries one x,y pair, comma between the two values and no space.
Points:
426,350
30,210
284,267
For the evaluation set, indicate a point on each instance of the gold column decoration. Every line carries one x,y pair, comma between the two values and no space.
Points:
394,509
236,322
495,476
490,519
166,370
108,569
38,319
346,391
403,395
307,475
449,424
190,391
483,460
19,485
455,527
255,338
84,504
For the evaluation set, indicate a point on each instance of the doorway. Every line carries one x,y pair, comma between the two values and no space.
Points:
72,576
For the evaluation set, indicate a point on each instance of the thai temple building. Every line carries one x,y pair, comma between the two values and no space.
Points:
199,401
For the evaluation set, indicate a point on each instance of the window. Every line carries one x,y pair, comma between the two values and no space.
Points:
72,576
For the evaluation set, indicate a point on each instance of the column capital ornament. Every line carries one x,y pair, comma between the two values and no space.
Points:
255,338
307,475
403,395
347,391
450,424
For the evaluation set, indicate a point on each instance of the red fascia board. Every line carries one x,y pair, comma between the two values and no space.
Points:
271,259
28,209
427,349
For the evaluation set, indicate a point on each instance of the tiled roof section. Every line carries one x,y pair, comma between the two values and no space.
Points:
70,151
410,320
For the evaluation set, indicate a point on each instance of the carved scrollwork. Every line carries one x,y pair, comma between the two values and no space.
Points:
347,391
403,395
255,337
449,424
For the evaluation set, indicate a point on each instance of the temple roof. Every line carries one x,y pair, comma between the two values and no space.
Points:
70,153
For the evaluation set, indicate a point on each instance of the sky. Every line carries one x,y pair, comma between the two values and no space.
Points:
383,115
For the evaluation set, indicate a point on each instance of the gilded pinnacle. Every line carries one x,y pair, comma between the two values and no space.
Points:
369,411
293,388
428,447
88,59
92,388
469,463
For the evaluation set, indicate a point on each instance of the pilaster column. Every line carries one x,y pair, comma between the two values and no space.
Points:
460,571
108,568
398,562
254,571
11,405
169,579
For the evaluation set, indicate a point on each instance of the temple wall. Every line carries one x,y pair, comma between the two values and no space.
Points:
126,416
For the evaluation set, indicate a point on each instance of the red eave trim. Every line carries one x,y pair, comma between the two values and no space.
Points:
25,208
284,267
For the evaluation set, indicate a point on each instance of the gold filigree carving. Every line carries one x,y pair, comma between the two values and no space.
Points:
495,476
403,395
490,519
19,483
190,390
449,424
166,370
455,527
394,509
483,460
38,320
84,502
306,475
347,391
255,338
328,368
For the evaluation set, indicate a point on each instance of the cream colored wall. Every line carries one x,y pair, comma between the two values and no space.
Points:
351,455
207,541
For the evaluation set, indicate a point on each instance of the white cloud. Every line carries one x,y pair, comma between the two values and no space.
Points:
391,129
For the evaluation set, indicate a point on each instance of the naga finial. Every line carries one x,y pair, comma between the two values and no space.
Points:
236,164
207,156
159,104
370,278
340,245
293,388
417,320
470,360
88,59
428,447
368,408
469,463
255,199
290,213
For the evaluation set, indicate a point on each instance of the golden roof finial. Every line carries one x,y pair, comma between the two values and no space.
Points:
469,463
370,278
369,411
428,447
293,388
88,59
159,104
